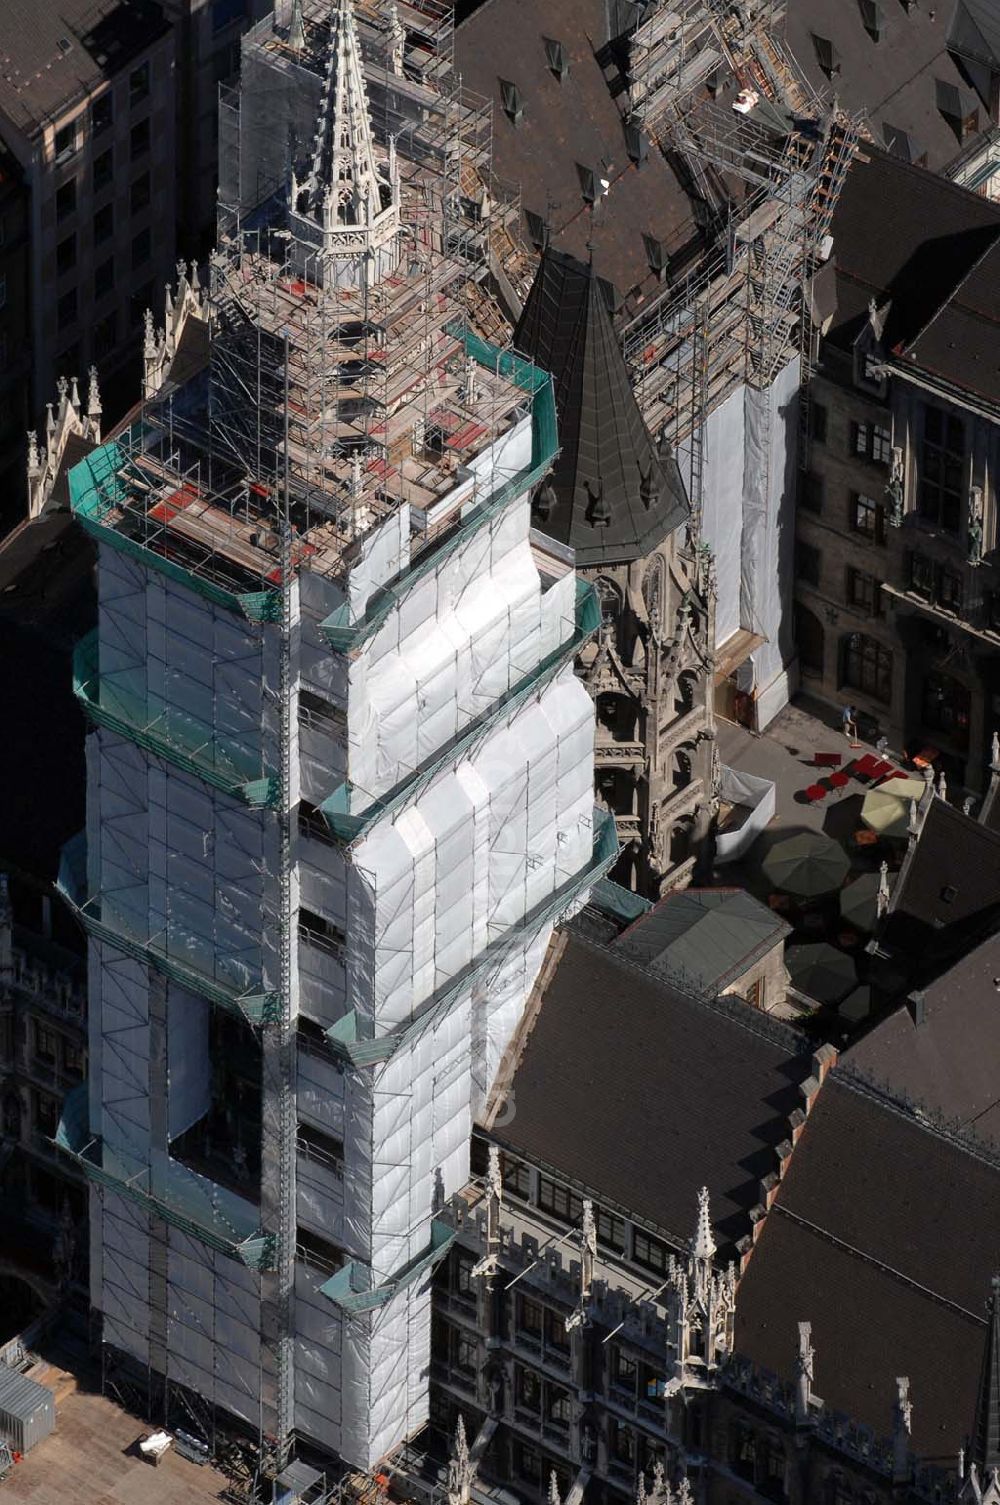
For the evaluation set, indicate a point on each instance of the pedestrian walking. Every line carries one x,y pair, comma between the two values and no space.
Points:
850,725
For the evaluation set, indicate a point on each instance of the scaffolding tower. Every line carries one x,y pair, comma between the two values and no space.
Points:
713,85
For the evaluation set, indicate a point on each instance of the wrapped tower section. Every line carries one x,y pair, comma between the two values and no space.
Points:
341,772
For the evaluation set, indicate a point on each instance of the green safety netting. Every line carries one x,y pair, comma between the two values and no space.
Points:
124,705
102,481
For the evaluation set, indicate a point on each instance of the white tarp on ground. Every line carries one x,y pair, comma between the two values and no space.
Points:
748,512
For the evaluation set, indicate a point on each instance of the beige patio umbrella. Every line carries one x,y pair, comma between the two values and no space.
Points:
887,808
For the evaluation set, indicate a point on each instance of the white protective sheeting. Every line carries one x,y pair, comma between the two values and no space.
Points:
772,420
722,508
757,795
463,635
750,447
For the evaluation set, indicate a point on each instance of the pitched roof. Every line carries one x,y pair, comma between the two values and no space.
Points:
643,1095
946,1063
616,497
54,55
894,79
939,232
884,1236
703,939
975,30
947,897
570,123
985,1449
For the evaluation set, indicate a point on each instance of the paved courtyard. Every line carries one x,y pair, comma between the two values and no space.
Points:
87,1462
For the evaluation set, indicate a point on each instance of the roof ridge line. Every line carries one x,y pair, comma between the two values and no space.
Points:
927,1119
956,289
774,1031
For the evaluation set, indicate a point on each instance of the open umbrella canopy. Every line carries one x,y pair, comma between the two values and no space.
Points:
807,864
859,900
821,971
887,808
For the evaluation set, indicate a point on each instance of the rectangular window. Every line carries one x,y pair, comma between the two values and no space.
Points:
610,1230
867,666
322,1149
556,1335
66,255
867,517
872,441
319,714
558,1200
65,142
623,1371
104,279
46,1114
649,1251
949,592
527,1463
141,299
466,1353
557,1406
922,577
138,84
811,492
318,1253
652,1384
808,562
104,224
621,1443
516,1177
104,170
139,195
46,1041
139,139
72,1059
66,309
942,470
66,199
864,593
817,422
527,1390
142,247
322,933
102,113
529,1319
463,1284
105,336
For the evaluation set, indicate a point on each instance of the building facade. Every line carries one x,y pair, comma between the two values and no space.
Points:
43,1056
896,587
341,777
91,130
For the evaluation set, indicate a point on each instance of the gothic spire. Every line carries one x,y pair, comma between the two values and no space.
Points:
703,1243
344,186
985,1449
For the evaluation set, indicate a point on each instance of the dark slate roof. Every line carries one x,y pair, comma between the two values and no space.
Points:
607,459
703,939
643,1095
947,897
894,80
885,1236
947,1063
985,1447
575,122
938,272
55,54
975,30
